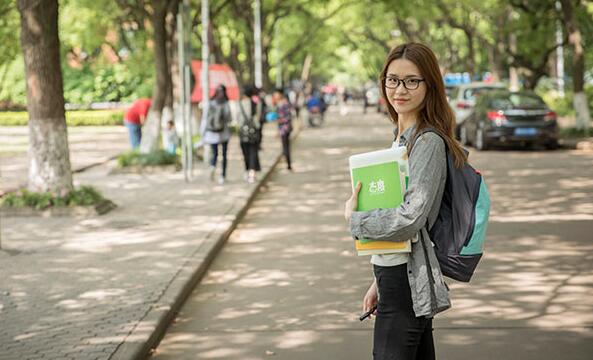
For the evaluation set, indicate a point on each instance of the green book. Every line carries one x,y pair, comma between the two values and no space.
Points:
383,177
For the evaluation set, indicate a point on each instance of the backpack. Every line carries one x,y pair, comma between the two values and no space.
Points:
216,121
459,231
248,132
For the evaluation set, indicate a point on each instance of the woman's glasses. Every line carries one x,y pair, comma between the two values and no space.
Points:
409,83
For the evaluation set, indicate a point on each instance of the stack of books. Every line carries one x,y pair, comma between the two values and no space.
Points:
384,178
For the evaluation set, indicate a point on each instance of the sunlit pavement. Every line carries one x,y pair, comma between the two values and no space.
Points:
99,287
88,145
288,286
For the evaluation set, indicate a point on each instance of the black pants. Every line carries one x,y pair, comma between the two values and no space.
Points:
251,156
399,334
286,148
214,157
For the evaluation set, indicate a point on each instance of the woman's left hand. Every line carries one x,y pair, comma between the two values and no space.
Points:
352,203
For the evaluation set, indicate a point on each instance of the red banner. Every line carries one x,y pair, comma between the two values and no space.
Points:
217,74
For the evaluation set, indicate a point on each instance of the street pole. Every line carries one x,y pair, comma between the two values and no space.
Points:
257,38
559,54
184,55
279,56
205,63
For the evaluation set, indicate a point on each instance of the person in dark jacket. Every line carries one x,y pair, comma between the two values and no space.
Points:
408,288
250,113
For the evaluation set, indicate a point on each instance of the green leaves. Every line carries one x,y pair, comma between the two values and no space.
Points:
84,196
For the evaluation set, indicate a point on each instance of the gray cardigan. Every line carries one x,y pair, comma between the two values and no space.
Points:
422,200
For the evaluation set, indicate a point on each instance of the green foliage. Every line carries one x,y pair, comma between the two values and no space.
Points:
155,158
118,82
73,118
572,132
84,196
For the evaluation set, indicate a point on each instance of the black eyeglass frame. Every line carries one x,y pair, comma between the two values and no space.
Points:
401,81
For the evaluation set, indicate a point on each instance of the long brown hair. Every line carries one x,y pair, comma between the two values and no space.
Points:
434,112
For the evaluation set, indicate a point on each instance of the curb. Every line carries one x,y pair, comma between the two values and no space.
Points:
149,330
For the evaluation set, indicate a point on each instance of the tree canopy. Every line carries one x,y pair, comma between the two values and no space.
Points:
107,46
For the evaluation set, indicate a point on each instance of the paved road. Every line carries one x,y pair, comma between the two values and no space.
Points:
288,286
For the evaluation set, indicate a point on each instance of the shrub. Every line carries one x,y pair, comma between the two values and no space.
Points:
84,196
155,158
73,118
573,132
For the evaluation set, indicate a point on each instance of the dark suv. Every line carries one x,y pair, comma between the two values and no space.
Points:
504,117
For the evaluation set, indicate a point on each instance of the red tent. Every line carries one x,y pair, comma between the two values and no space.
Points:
218,74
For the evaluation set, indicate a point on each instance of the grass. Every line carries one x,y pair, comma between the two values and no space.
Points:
155,158
73,118
84,196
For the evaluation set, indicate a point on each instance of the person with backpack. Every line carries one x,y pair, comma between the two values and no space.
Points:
408,289
216,131
250,113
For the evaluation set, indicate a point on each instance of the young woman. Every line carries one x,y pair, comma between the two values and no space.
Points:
249,134
408,289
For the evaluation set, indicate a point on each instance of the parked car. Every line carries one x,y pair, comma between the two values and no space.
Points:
505,117
462,98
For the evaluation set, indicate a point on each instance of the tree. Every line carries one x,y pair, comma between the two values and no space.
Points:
578,64
49,157
151,130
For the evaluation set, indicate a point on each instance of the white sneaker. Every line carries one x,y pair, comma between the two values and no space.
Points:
212,173
221,180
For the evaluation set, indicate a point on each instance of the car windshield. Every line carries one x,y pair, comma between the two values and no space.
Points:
518,101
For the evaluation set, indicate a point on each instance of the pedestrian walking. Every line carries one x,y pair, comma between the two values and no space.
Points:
408,288
260,100
250,113
134,118
216,131
284,112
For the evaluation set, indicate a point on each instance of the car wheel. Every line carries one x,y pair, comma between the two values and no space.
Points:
480,140
552,145
463,136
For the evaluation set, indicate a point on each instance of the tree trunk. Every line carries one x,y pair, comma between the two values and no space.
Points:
49,156
578,65
151,131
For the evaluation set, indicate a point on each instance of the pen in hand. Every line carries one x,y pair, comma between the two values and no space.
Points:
368,313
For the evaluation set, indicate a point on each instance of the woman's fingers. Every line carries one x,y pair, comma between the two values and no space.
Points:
358,186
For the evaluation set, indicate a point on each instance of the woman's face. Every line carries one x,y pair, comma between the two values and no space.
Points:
405,101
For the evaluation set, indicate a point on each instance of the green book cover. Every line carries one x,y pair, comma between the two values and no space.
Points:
382,175
381,186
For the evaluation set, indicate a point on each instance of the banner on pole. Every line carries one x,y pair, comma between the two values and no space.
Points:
217,74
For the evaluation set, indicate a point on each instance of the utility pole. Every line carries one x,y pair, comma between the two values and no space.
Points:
559,54
257,38
279,56
184,50
205,64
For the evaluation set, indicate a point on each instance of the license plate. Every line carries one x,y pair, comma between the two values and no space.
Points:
525,131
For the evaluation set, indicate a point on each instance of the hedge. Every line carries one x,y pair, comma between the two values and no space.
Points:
155,158
73,118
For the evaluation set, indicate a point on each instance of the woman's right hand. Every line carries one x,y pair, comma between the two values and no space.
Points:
370,298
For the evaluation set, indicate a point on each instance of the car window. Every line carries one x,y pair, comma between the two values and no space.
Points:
453,93
522,101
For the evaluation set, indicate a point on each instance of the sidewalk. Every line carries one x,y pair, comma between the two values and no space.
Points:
89,145
103,287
